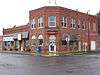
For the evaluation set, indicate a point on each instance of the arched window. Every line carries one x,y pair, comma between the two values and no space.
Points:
40,40
64,39
52,39
33,40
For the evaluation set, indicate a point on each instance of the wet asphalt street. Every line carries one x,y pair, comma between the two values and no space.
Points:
14,64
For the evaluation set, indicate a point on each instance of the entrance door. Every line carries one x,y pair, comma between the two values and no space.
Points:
93,45
52,43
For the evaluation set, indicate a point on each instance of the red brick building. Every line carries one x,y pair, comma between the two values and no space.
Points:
16,38
1,39
58,29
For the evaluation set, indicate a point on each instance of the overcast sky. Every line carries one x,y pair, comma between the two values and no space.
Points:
16,12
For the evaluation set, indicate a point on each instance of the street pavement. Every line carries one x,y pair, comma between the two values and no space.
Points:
18,64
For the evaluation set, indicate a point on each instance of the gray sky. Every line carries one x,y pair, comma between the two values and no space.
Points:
16,12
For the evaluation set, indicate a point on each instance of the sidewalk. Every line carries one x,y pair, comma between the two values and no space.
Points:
16,52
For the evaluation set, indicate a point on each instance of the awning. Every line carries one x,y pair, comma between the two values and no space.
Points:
24,34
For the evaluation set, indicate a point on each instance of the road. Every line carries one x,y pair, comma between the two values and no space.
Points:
16,64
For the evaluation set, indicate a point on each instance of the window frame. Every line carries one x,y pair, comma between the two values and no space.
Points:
33,23
41,22
79,24
52,21
72,23
83,24
64,22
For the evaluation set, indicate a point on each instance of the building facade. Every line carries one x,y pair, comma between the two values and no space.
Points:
1,39
16,38
98,37
58,29
54,29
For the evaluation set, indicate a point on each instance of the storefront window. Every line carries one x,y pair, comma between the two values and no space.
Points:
40,40
64,42
25,43
33,40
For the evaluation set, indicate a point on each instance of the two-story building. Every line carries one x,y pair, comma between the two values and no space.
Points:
55,29
58,29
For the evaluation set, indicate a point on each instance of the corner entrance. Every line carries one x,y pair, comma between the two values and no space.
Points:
52,43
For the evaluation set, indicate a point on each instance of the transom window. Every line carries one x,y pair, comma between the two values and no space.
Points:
72,25
33,23
52,21
64,21
40,21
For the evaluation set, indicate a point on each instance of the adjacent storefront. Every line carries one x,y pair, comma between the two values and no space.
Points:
16,41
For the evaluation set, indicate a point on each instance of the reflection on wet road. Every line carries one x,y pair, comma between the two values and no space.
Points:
66,65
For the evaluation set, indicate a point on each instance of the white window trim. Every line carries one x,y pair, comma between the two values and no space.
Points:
32,27
64,22
51,21
73,23
40,27
40,20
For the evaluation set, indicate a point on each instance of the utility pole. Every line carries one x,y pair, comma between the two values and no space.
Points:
88,30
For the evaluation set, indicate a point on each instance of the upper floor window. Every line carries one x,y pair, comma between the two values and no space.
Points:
40,21
79,24
52,21
33,23
89,26
94,27
72,25
83,25
64,21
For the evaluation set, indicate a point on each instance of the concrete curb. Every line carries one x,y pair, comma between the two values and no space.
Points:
15,52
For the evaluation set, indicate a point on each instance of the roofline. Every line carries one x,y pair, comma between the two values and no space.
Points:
45,7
